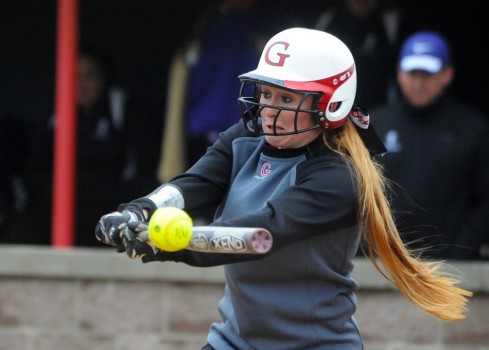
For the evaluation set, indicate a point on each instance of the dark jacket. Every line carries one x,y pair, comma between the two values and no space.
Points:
438,162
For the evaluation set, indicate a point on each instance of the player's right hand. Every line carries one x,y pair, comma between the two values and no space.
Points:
135,247
110,227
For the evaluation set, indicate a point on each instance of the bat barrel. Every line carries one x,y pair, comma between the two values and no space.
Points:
232,240
237,240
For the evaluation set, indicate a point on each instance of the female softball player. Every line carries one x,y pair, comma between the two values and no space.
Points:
302,167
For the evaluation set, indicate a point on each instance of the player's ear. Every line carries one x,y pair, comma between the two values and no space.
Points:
333,106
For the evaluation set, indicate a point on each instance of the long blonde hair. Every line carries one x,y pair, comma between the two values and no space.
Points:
423,283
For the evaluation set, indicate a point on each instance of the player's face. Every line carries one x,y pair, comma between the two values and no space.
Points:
422,88
285,119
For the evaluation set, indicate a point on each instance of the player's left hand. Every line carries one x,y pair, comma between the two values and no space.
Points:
135,247
110,226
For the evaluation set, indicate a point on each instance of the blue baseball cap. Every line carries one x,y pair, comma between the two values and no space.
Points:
426,51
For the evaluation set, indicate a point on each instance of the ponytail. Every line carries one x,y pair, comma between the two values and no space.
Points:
423,283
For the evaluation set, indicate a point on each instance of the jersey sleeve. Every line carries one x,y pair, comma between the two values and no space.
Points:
323,200
207,181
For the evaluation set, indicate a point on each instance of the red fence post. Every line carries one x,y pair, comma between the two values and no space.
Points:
65,125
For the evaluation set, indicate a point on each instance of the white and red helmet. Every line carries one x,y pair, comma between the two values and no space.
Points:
306,61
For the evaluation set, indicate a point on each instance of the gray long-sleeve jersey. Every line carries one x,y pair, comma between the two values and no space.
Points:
301,294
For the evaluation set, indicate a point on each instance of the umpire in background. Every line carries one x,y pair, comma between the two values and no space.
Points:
437,155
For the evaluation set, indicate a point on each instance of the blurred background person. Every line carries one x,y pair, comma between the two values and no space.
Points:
436,154
371,29
15,151
226,41
111,157
111,153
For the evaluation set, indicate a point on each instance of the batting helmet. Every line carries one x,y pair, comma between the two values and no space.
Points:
305,61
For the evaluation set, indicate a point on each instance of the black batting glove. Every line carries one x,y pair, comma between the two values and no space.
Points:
110,227
135,241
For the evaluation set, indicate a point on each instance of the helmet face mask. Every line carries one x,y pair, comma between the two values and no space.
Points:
306,62
251,109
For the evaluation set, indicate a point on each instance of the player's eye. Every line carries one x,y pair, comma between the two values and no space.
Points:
283,98
286,99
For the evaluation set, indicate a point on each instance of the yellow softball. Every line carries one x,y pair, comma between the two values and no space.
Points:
170,229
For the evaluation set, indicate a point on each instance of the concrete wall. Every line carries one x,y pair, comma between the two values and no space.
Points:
96,299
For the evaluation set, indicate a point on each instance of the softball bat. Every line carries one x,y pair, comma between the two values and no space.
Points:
170,229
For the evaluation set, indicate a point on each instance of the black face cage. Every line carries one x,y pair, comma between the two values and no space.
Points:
251,110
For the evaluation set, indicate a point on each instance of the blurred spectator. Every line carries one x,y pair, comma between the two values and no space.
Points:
111,165
15,148
226,41
371,30
436,155
112,147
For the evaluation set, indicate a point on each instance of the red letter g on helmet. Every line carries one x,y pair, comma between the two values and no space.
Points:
281,56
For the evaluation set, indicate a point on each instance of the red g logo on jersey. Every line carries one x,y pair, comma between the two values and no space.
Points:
266,169
280,57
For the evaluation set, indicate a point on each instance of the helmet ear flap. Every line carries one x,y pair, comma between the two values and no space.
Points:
335,111
335,117
341,102
331,110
